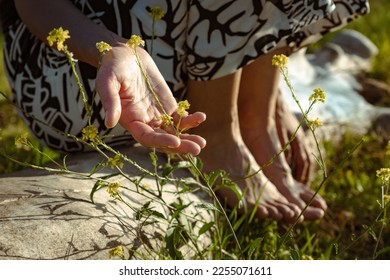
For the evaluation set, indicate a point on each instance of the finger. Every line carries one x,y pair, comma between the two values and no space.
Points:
200,141
190,121
108,88
185,147
149,137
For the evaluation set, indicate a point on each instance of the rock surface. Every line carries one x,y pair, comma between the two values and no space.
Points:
339,68
46,215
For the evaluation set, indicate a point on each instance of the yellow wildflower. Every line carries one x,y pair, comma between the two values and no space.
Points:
166,119
90,133
315,123
21,140
156,12
58,36
135,41
117,252
23,143
113,189
383,174
115,162
103,47
318,96
182,108
280,60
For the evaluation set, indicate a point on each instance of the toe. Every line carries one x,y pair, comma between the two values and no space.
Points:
317,201
273,212
262,212
313,213
287,213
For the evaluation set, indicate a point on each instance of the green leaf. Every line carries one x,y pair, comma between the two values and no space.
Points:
197,163
64,162
227,183
382,251
154,158
255,244
146,211
169,168
205,228
101,184
172,240
98,185
207,206
99,166
294,255
370,232
212,177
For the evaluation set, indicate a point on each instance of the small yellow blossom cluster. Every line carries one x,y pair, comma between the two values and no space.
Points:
115,162
315,123
116,252
156,12
280,60
23,143
383,174
166,120
182,107
135,41
58,36
318,95
90,133
21,140
113,189
103,47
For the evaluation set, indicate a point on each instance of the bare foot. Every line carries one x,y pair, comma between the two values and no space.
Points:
225,149
257,107
264,144
258,192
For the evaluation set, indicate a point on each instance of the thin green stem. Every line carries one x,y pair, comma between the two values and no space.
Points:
304,113
324,180
151,89
215,198
87,108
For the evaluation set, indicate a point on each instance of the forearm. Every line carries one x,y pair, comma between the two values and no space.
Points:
41,16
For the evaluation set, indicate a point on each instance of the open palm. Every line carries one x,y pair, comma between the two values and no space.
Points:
127,100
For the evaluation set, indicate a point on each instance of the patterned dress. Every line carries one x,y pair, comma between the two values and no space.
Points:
196,39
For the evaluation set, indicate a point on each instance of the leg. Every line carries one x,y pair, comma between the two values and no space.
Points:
257,104
226,150
299,154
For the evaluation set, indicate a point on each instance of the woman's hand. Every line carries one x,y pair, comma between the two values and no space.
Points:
128,101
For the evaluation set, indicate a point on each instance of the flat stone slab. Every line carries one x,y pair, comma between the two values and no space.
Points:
46,215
